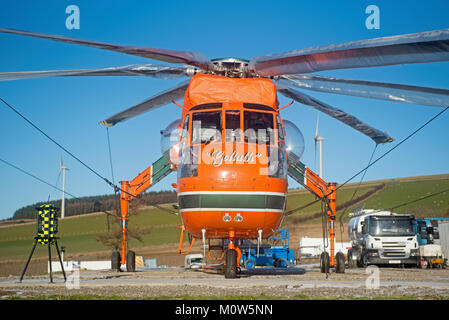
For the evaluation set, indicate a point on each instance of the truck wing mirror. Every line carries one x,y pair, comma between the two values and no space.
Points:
363,227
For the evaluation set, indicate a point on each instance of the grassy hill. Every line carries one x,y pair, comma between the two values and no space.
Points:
79,234
403,195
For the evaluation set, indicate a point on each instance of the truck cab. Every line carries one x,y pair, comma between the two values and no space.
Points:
383,238
427,230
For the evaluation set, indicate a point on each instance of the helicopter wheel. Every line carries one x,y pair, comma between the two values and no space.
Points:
340,257
231,264
324,262
131,261
115,261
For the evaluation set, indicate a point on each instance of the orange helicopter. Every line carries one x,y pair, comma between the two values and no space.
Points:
231,149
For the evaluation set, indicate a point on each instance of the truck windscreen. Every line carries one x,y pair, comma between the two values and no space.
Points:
391,227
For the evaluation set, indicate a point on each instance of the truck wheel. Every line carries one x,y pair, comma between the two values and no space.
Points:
359,262
282,263
115,261
130,261
231,264
350,261
324,262
340,257
250,263
362,261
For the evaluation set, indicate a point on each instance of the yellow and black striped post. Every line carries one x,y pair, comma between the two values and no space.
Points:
47,227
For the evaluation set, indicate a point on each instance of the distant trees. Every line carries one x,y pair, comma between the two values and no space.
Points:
85,205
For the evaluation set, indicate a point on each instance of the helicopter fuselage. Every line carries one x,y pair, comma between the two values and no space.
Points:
232,172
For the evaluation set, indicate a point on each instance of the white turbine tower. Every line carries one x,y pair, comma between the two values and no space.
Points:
63,169
319,139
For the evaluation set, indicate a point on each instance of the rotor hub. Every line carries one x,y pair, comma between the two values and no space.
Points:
231,67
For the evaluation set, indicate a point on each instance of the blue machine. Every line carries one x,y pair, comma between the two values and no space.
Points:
427,230
278,255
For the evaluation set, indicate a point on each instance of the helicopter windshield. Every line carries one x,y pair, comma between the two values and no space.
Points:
206,127
258,127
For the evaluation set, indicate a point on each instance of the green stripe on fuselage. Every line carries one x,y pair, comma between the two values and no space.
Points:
243,201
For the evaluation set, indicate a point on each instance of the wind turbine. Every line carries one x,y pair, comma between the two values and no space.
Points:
63,169
319,139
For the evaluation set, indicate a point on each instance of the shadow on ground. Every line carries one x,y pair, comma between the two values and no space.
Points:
272,272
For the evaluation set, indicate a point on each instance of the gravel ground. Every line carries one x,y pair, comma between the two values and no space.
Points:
299,282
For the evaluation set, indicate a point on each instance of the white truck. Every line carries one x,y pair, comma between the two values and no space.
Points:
382,238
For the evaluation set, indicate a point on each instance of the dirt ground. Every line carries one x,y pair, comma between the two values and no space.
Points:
299,282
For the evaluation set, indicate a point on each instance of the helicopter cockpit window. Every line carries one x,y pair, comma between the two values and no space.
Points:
279,128
188,164
185,128
232,126
277,164
258,127
206,127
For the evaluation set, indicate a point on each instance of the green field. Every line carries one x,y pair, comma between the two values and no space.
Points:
397,192
79,233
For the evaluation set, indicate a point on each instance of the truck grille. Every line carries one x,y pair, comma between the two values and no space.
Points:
393,249
393,245
393,254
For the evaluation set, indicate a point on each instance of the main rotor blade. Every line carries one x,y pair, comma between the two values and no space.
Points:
429,46
377,135
149,70
188,57
375,90
157,101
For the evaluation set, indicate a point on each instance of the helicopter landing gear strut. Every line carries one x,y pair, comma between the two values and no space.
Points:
233,255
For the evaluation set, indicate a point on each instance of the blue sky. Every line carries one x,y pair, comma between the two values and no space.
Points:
69,109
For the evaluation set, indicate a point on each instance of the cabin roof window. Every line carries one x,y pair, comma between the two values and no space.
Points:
257,106
206,106
206,127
